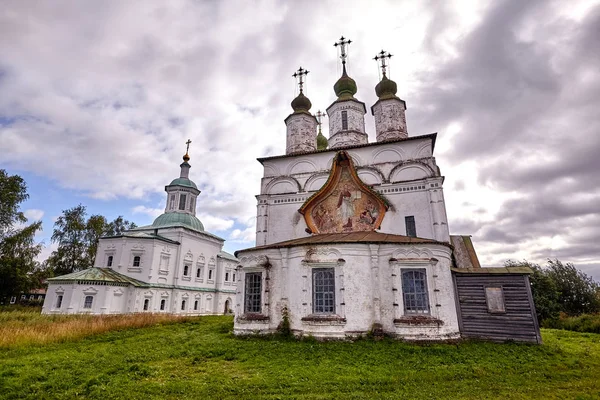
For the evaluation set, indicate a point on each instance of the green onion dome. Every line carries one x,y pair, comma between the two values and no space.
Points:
345,87
386,88
321,141
183,182
301,103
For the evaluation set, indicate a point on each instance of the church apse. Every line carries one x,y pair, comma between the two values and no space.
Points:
344,204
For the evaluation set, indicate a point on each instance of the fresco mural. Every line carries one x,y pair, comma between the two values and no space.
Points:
344,203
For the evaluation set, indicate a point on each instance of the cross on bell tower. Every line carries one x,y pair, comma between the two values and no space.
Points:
300,76
319,116
343,44
382,56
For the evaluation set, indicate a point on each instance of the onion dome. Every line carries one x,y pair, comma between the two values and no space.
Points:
387,88
345,87
301,103
321,141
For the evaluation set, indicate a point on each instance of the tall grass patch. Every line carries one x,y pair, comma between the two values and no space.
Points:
581,323
28,327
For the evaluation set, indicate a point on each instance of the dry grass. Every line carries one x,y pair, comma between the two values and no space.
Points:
21,328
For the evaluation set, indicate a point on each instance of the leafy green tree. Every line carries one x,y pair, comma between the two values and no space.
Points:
77,237
544,290
70,234
18,249
578,292
560,288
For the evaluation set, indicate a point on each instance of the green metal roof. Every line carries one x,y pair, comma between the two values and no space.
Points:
99,275
183,182
224,254
173,219
141,235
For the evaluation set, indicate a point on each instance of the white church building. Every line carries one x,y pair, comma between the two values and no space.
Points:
172,266
352,237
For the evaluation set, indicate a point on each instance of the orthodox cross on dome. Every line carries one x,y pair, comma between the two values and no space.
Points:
299,75
319,115
343,43
382,56
186,157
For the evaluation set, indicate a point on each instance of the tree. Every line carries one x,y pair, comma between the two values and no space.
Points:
77,237
578,292
18,249
544,290
560,288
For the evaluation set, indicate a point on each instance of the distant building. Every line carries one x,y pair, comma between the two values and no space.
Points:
32,296
352,237
172,266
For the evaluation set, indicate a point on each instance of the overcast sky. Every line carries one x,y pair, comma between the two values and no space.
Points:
97,99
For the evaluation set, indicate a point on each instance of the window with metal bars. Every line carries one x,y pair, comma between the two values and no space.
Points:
411,229
253,292
344,119
136,261
109,261
323,290
414,291
88,301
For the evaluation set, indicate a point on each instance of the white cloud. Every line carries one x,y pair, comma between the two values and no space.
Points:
215,224
153,212
33,214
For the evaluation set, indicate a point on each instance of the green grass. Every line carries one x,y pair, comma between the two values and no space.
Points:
201,359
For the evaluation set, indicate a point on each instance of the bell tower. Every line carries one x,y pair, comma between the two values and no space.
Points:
389,110
301,124
346,114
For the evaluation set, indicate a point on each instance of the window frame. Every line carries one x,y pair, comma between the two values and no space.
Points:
58,301
253,298
186,269
182,201
319,306
89,306
137,259
146,304
109,260
411,226
416,306
344,120
163,304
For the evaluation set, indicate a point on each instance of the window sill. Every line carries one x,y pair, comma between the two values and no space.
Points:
134,269
199,280
252,318
163,272
418,320
186,278
323,319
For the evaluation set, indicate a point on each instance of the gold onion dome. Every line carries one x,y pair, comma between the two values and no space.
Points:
387,88
345,87
186,157
301,103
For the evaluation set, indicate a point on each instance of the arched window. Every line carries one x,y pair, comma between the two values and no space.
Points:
186,270
195,305
59,301
163,304
414,291
136,261
146,304
183,304
109,261
344,120
88,301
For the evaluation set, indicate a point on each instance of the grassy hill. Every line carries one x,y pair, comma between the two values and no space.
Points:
199,358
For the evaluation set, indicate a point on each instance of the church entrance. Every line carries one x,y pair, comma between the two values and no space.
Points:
227,310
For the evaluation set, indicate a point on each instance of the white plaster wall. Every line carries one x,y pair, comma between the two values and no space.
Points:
355,134
405,173
365,283
390,119
301,133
